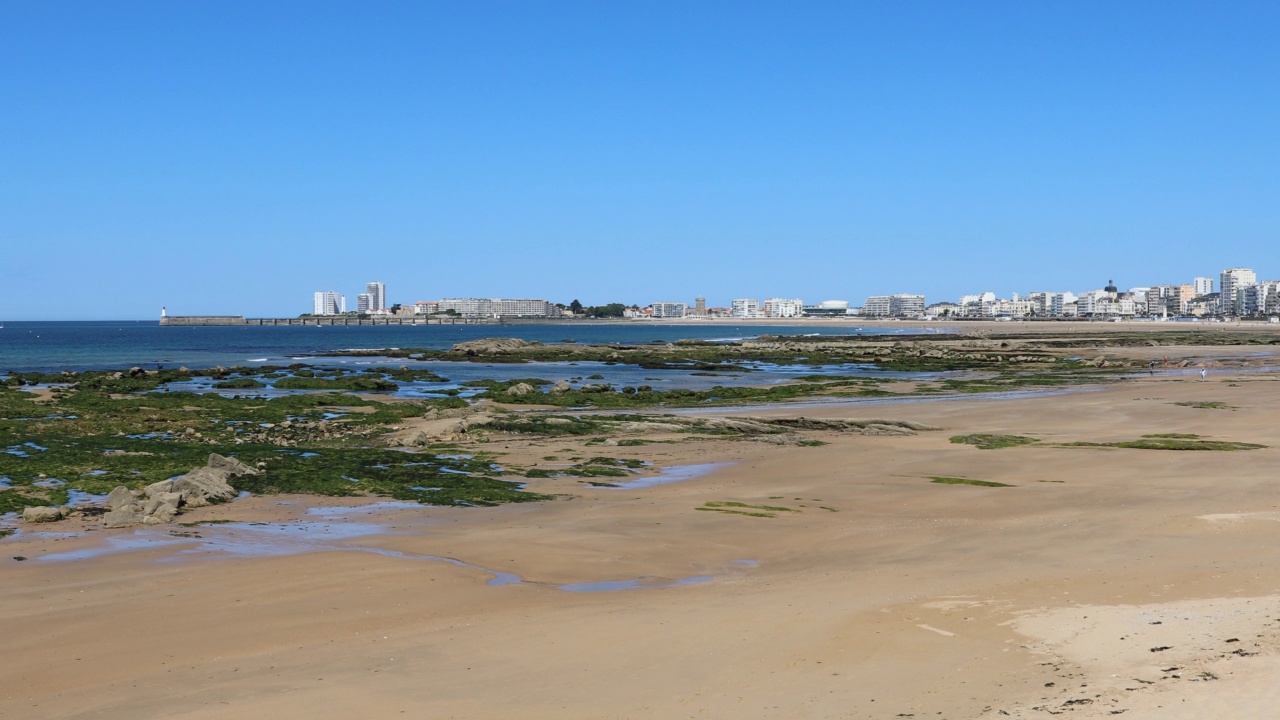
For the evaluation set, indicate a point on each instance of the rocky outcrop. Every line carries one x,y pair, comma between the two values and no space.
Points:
490,346
42,514
161,502
561,387
520,389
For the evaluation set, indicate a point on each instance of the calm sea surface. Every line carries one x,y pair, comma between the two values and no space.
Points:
56,346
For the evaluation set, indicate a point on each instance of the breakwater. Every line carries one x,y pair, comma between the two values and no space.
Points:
230,320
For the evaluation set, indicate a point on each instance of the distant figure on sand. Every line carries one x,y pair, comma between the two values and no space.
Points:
1203,372
1152,367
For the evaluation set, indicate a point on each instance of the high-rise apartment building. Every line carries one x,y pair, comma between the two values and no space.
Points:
377,293
1203,286
364,303
900,305
668,309
1230,283
745,308
328,302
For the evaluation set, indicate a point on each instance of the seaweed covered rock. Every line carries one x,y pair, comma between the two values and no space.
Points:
520,389
490,346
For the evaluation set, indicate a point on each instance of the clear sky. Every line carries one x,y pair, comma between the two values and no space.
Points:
234,157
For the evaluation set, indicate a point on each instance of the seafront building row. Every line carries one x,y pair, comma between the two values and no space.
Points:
1239,294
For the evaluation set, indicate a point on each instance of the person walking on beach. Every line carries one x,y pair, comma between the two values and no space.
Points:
1152,367
1203,373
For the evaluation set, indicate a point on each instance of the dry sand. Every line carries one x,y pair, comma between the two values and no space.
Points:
879,595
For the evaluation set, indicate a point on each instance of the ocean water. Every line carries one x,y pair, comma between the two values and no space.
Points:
57,346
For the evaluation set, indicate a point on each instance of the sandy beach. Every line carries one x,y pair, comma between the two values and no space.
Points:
1100,581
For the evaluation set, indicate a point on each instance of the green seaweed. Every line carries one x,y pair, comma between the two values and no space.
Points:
985,441
945,480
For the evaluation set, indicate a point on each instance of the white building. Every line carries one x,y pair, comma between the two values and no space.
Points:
900,305
426,307
1230,283
1261,298
877,306
499,307
745,308
1049,304
668,309
364,303
982,305
377,293
328,302
1202,286
783,308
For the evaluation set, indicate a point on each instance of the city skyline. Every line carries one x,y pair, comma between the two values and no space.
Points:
1240,292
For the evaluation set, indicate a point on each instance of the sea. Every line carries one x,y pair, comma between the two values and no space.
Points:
106,345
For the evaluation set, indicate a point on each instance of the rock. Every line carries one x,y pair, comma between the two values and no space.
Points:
561,387
122,518
231,466
120,497
157,489
558,421
488,346
204,486
520,389
42,514
164,513
610,442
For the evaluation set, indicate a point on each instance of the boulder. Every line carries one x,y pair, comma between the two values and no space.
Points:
164,512
42,514
561,387
169,498
231,466
204,486
120,497
520,389
156,489
122,518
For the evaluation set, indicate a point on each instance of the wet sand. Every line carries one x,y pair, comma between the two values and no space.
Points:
876,594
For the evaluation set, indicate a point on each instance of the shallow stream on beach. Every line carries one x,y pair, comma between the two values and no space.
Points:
331,528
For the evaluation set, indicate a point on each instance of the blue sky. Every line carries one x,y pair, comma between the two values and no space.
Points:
235,157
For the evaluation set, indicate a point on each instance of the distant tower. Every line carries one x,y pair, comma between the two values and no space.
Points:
377,293
164,312
700,306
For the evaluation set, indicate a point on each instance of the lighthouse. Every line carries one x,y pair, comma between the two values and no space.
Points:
163,312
